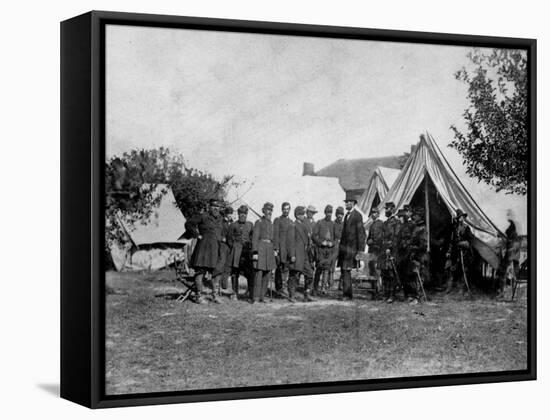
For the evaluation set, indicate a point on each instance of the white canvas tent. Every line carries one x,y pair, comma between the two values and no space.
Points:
152,242
427,180
381,181
297,190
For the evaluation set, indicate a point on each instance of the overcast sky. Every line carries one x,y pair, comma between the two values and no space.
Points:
250,104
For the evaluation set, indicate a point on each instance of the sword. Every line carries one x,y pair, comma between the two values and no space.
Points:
421,283
464,272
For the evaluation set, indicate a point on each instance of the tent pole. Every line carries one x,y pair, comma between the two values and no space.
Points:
427,207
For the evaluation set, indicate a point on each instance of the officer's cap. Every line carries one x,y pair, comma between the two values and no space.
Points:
243,209
340,210
299,211
328,208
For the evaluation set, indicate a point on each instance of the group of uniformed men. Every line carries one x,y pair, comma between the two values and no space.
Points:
397,250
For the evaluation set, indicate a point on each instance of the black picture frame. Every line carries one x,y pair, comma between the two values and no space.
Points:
82,204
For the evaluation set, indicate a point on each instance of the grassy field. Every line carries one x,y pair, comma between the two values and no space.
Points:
155,344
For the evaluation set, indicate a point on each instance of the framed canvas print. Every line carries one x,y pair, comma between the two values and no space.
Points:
254,209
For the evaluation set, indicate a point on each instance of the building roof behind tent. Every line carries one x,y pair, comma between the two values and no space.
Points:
381,181
389,175
166,223
355,174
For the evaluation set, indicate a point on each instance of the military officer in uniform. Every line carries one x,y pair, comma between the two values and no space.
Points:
324,240
387,257
338,227
281,225
460,253
222,270
375,243
418,272
239,240
263,253
207,228
352,244
299,243
403,256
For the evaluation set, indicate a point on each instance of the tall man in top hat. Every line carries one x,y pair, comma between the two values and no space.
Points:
324,240
281,225
299,244
207,228
239,240
352,244
263,253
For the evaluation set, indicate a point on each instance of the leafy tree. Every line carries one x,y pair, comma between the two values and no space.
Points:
495,144
132,179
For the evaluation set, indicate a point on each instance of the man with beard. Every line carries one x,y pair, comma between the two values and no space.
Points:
403,256
375,243
324,240
460,254
207,228
352,244
263,253
387,257
281,225
239,240
299,243
338,227
223,270
418,272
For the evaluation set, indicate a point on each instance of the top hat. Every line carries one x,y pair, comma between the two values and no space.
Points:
350,197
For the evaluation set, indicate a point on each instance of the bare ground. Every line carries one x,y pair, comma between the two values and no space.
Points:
154,344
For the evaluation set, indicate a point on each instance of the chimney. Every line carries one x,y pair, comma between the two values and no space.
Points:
309,169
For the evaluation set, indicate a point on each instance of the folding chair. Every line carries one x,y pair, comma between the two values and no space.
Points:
521,278
184,277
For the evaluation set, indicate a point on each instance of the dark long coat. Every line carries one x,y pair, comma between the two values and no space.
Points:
299,243
280,229
262,245
222,266
376,237
352,241
206,252
239,240
324,231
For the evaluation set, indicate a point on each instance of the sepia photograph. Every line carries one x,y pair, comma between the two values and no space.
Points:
291,209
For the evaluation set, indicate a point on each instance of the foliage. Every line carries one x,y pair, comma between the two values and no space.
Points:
132,179
495,144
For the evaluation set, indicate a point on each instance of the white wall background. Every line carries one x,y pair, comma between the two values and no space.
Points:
30,212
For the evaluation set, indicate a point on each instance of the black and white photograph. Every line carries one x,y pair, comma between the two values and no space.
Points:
285,209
